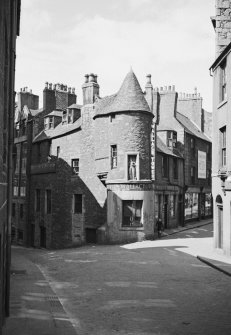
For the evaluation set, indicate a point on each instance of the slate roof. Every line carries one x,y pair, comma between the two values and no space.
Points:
161,147
129,98
191,128
34,112
60,130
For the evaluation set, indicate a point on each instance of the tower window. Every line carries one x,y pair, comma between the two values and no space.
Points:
113,156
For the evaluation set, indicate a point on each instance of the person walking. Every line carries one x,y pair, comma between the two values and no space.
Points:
159,226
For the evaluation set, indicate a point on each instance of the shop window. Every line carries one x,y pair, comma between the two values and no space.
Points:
75,166
165,171
37,200
78,203
208,204
132,213
133,167
21,211
191,205
171,139
113,156
223,81
175,168
48,201
223,145
193,174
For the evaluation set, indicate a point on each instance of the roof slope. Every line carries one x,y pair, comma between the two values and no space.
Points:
129,98
190,127
60,130
161,147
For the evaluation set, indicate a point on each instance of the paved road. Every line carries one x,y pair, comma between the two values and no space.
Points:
112,290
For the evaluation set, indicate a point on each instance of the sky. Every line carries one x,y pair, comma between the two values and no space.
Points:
62,40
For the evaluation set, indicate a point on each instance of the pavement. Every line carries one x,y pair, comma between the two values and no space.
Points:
203,251
36,308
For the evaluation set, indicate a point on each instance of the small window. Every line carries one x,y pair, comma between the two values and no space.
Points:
132,167
51,122
77,203
48,202
193,174
46,123
113,156
64,119
23,191
171,139
132,213
223,145
75,166
58,151
223,81
21,211
37,200
164,166
175,168
15,191
70,116
13,209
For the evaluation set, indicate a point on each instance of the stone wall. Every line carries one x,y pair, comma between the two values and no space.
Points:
222,22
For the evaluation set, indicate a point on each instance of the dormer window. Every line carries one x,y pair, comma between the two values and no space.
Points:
70,115
171,138
64,120
49,122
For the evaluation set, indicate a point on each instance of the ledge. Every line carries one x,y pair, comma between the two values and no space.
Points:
222,103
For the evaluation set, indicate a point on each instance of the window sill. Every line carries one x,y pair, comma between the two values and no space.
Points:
222,103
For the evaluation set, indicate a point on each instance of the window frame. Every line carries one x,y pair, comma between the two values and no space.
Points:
223,81
129,154
75,172
223,133
114,156
171,138
134,213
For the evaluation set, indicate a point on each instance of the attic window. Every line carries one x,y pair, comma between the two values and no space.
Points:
70,116
49,122
171,139
64,119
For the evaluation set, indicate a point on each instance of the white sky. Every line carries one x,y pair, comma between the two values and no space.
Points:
62,40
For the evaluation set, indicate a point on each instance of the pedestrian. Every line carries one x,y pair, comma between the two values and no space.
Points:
159,226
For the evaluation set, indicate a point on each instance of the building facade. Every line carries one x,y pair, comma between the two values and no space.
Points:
221,166
9,30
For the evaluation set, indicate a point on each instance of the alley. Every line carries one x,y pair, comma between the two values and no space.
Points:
140,291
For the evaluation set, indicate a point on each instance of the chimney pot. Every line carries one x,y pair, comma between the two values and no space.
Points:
50,86
170,88
69,89
148,78
91,77
96,76
86,78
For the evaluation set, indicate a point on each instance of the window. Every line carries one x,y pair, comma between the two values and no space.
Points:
78,203
171,139
37,200
175,168
75,166
51,122
21,211
58,151
13,209
70,116
132,167
64,120
165,166
46,123
193,174
48,202
223,145
132,213
113,156
24,165
223,81
23,191
15,191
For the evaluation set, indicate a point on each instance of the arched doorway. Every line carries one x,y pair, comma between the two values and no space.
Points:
219,204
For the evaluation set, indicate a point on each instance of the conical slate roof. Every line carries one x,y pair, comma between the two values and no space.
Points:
129,98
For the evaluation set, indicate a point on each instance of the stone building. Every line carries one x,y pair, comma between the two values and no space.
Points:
9,30
180,127
221,165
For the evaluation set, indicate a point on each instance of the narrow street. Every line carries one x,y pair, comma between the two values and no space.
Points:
139,291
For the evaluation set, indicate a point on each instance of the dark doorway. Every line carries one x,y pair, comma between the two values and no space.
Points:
90,235
42,237
220,227
166,211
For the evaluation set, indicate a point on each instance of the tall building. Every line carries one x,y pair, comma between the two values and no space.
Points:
221,164
9,30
